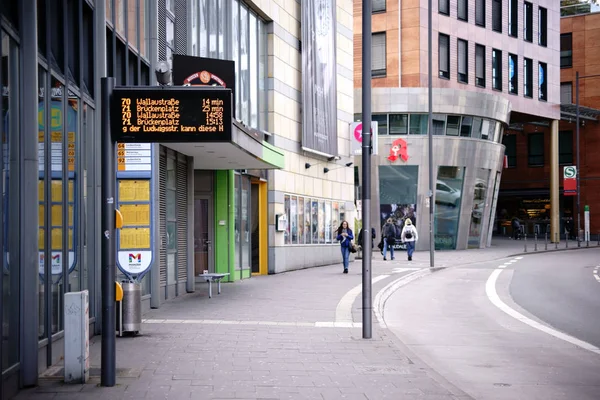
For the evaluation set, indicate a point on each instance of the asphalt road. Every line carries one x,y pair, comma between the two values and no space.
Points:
561,290
450,322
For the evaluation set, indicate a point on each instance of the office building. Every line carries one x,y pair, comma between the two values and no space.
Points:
256,204
495,66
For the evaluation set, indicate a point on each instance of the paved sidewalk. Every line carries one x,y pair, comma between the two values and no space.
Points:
270,337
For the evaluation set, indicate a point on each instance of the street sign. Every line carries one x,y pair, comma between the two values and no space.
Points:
171,114
570,180
570,171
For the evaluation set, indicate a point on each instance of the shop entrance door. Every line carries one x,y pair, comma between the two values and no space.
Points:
203,237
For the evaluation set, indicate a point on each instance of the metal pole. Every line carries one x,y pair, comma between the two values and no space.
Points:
546,241
108,351
430,132
577,141
366,169
535,242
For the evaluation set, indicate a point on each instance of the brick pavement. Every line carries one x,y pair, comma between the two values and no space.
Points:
262,339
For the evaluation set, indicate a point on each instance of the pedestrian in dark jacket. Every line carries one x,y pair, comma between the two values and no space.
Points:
345,237
389,233
360,237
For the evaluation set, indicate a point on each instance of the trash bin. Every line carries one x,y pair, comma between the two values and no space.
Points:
132,307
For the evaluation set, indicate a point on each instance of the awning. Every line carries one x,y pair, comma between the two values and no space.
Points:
569,112
246,150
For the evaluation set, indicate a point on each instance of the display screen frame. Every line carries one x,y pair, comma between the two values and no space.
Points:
187,108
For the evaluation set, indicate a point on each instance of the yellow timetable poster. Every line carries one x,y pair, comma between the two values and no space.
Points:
135,238
134,190
135,214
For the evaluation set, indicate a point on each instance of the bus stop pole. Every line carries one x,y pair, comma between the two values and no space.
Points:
108,351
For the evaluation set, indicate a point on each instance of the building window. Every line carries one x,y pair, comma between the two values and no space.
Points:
513,75
565,147
462,10
513,18
444,56
566,93
543,26
382,123
496,69
378,6
378,62
444,7
480,12
543,81
566,50
497,15
527,77
535,149
510,143
463,63
398,124
528,21
480,65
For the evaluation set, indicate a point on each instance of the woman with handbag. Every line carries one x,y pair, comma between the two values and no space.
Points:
345,237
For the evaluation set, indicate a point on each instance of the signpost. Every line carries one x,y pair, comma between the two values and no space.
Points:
136,117
570,180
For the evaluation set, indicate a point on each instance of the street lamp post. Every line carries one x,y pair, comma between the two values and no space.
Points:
430,133
366,169
577,78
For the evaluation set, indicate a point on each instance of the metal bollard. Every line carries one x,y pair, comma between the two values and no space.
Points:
535,242
525,242
567,241
598,237
556,241
546,241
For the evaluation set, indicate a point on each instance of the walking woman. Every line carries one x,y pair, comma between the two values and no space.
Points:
345,237
409,236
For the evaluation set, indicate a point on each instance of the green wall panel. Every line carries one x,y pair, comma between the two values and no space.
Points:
223,243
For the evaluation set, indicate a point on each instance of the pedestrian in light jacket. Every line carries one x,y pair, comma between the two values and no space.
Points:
345,237
409,237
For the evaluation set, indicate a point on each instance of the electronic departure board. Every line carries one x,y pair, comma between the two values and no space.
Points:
171,114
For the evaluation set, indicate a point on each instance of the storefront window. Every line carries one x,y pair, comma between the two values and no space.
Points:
315,221
286,204
328,229
293,221
120,16
73,257
307,222
9,129
235,51
478,211
301,220
448,194
336,218
321,222
398,194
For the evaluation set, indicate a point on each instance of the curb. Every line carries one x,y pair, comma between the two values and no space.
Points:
524,253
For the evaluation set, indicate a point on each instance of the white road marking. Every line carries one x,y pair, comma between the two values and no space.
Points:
490,290
518,258
384,294
596,274
343,311
328,324
402,269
